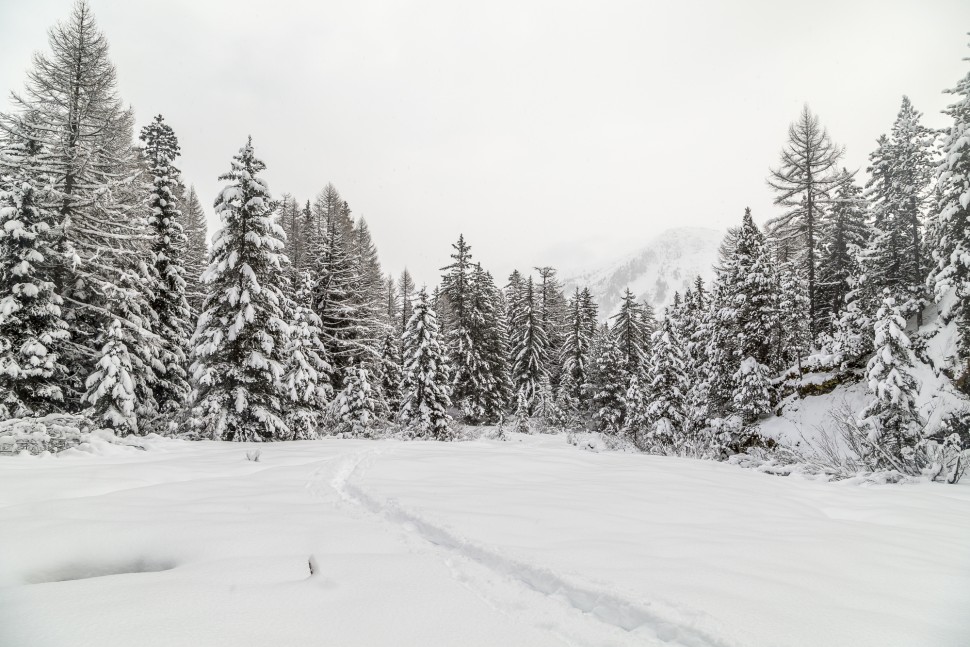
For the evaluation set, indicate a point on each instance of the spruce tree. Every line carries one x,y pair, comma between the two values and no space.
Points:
32,331
306,381
426,375
632,330
551,304
196,250
666,410
577,344
492,349
844,233
529,346
242,334
802,182
168,244
608,381
389,374
901,170
951,277
892,414
752,391
460,341
636,419
356,407
111,387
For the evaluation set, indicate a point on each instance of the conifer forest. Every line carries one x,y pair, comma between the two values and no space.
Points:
150,365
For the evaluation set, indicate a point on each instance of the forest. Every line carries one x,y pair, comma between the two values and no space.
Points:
118,313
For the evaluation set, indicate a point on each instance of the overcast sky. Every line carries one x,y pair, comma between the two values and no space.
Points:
560,133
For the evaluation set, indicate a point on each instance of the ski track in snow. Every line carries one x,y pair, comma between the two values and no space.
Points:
630,622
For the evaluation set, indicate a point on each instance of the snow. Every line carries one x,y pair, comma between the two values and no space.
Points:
526,542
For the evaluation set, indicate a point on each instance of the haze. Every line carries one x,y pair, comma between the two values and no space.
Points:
547,132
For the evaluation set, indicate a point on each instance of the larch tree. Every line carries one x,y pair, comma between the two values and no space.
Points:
85,137
405,287
242,333
803,182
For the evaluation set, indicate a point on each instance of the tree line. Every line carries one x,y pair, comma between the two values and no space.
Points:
113,305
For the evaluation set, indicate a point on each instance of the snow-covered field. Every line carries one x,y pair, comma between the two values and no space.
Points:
526,542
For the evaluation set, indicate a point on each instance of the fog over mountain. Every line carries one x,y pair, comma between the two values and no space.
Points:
665,265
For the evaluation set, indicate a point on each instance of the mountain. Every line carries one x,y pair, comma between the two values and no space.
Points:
667,264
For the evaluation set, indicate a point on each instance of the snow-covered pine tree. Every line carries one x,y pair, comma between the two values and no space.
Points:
844,233
666,409
951,278
636,420
370,294
574,355
631,329
356,408
695,336
802,182
750,277
460,340
196,250
426,375
168,243
721,351
307,377
32,331
607,382
892,415
901,171
389,374
792,335
492,346
551,304
752,390
111,387
241,334
529,346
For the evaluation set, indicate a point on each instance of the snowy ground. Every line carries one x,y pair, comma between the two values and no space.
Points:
527,542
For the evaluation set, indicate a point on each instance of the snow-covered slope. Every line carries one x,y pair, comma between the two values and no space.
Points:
804,420
667,264
528,542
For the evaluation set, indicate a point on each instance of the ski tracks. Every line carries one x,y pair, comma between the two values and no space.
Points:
530,592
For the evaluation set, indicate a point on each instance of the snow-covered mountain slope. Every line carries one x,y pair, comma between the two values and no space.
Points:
667,264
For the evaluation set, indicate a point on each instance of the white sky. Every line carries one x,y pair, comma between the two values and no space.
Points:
556,132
